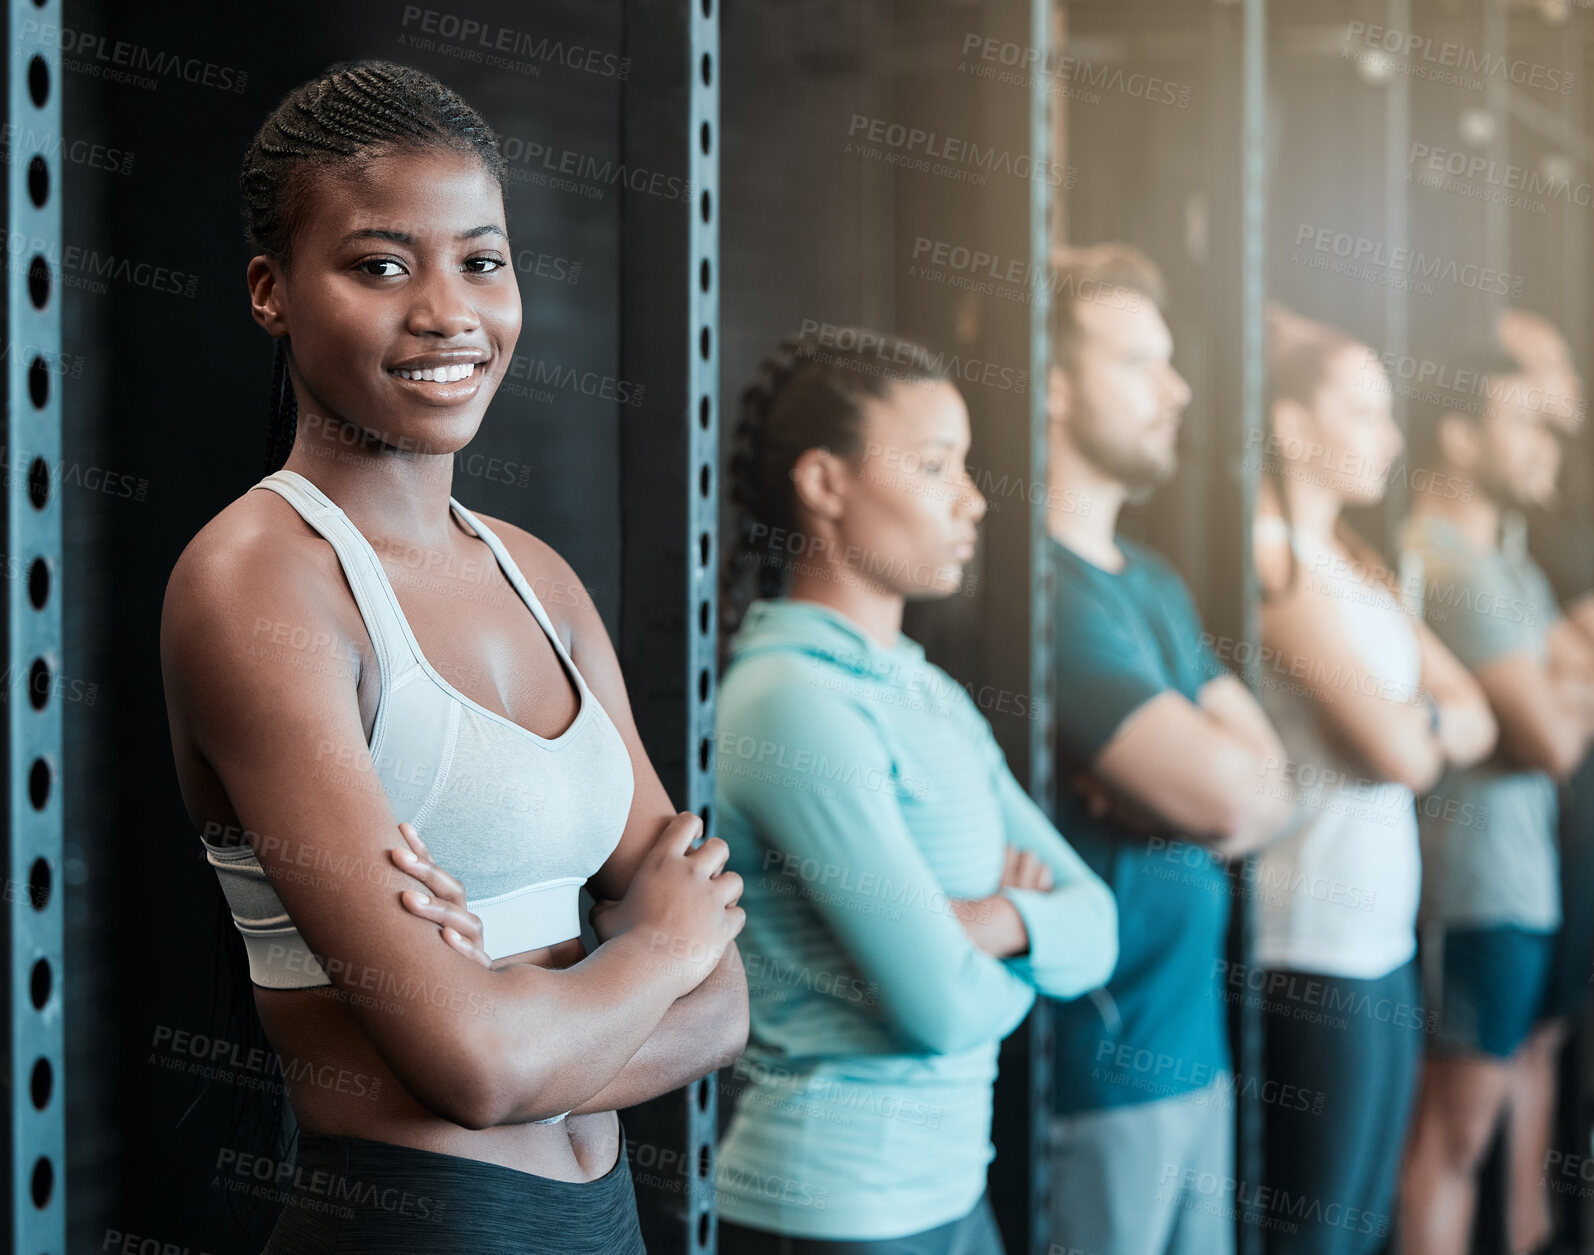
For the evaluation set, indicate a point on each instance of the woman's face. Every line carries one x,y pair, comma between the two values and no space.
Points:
401,270
911,508
1348,438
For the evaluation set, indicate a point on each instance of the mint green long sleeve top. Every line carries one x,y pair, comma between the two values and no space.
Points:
861,791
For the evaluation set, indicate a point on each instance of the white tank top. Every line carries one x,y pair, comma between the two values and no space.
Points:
1337,891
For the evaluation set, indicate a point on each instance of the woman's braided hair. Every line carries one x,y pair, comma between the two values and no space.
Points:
353,112
807,394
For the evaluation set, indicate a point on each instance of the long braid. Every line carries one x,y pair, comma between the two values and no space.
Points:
807,393
353,109
750,574
282,413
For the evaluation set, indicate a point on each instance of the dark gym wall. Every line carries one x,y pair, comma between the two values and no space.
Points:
821,227
1159,170
169,403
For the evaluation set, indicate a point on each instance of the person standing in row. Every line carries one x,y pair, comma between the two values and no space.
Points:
1371,708
1176,768
499,1051
905,897
1490,907
1561,541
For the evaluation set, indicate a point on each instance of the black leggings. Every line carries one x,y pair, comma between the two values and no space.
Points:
975,1234
349,1196
1343,1083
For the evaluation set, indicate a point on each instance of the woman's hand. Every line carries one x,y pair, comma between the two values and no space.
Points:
993,923
443,903
604,921
1023,870
681,902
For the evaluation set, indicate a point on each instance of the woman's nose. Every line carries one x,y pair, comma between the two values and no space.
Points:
977,503
442,308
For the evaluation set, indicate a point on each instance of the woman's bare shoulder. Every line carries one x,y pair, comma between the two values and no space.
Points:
257,561
532,554
554,581
1274,562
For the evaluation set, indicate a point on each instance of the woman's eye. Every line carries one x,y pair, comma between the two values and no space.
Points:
369,264
934,468
488,264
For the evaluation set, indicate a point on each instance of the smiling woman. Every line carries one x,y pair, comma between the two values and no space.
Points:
380,232
502,753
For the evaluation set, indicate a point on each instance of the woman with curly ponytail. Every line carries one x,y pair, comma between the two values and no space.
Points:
906,900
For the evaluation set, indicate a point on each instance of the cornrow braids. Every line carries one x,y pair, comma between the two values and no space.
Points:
353,112
808,393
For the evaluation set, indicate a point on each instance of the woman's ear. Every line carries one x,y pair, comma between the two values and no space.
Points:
1059,394
819,483
1291,424
266,292
1459,441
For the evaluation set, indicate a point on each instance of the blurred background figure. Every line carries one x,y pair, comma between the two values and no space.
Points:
1371,709
1560,538
1172,765
1491,903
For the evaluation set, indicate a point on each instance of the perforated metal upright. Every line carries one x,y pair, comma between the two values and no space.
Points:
1015,617
1043,679
35,1167
1244,34
669,291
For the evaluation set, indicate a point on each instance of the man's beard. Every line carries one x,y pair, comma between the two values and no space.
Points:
1139,472
1498,489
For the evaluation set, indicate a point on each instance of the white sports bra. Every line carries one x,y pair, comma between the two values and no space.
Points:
520,820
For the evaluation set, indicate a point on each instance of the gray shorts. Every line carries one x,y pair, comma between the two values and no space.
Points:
973,1234
1151,1178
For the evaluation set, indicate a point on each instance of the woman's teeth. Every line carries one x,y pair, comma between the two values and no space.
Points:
443,374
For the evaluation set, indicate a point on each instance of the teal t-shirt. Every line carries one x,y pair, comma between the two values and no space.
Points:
1159,1027
861,791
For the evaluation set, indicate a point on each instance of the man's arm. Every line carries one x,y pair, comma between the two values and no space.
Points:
1196,756
1543,704
1580,610
1213,771
1546,717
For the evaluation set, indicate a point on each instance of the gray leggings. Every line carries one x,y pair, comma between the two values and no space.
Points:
974,1234
349,1196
